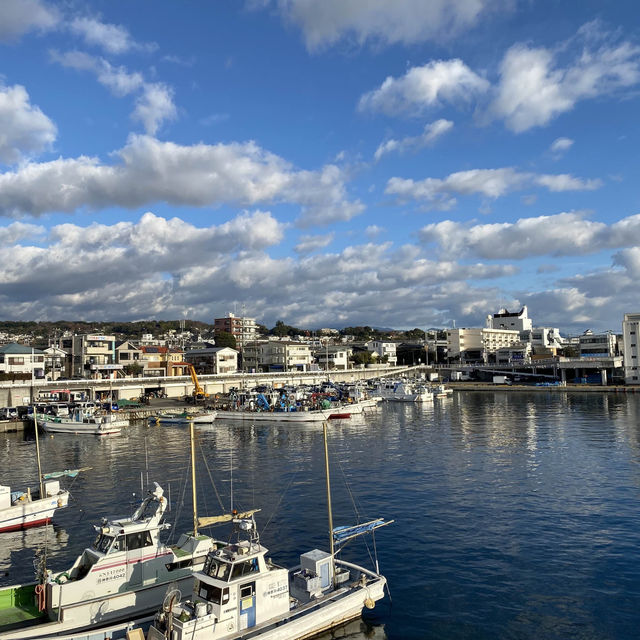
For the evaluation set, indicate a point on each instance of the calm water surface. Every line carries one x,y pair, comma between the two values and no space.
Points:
516,515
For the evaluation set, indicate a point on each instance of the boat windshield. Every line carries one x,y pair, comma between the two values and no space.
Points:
102,543
216,569
216,595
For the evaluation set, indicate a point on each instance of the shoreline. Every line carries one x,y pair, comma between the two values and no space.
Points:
579,388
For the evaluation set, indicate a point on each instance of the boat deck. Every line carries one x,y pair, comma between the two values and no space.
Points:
18,607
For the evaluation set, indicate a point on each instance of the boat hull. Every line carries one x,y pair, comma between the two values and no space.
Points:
276,416
95,429
31,513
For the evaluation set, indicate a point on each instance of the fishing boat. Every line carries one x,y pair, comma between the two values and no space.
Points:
123,575
117,582
23,509
184,417
240,593
403,391
83,422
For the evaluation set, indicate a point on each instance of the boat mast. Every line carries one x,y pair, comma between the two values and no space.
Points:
326,464
193,480
35,427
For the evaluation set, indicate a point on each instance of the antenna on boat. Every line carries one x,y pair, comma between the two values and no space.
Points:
326,464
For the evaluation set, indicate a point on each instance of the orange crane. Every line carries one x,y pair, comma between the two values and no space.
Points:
198,392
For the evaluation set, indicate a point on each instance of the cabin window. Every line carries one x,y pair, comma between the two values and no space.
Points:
215,569
182,564
118,545
139,540
244,568
213,594
102,543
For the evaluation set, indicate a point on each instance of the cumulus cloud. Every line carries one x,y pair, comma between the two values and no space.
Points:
149,170
154,104
563,234
423,88
402,21
310,243
535,86
560,145
431,133
491,183
18,17
24,129
112,38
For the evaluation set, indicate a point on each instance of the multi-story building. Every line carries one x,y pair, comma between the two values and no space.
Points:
162,361
630,333
518,321
213,359
18,358
333,357
383,348
276,355
598,345
478,345
241,328
90,355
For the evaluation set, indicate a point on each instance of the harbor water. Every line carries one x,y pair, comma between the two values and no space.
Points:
517,515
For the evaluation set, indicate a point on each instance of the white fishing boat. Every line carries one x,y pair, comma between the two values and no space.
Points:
122,576
23,509
184,417
89,423
403,391
240,593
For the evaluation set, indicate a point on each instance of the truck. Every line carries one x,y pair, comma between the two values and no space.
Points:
501,380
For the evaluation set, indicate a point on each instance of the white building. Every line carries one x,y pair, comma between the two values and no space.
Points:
630,333
518,321
333,357
213,359
476,345
17,358
272,355
383,348
598,345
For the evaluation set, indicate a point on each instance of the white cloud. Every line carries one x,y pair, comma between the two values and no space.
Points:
199,175
18,17
563,234
431,133
18,231
24,129
110,37
154,104
491,183
560,145
309,243
422,88
401,21
535,87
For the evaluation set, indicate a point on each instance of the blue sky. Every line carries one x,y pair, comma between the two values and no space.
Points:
344,162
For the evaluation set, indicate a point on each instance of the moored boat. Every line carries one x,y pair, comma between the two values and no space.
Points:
184,417
240,593
122,576
89,423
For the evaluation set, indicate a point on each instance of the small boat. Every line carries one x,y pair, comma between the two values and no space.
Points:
82,422
240,593
23,509
403,391
184,417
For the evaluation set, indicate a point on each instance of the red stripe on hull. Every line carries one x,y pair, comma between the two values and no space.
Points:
25,525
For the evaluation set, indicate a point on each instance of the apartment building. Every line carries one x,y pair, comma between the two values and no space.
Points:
276,355
241,328
333,357
630,333
479,345
512,321
90,355
213,359
18,358
383,348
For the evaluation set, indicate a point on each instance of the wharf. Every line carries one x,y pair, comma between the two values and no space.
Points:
580,388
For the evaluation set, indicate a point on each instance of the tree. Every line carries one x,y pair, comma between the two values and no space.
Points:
133,369
363,357
225,339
